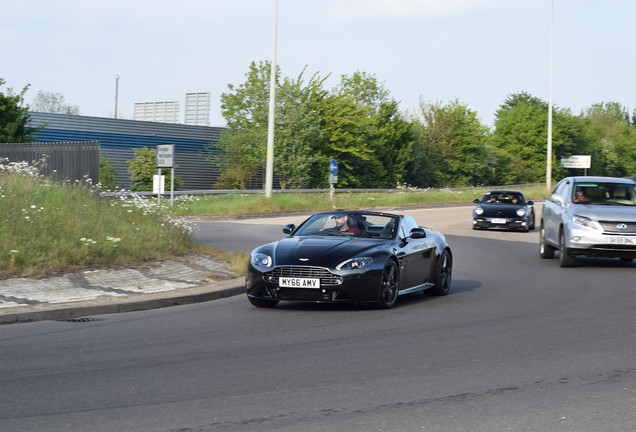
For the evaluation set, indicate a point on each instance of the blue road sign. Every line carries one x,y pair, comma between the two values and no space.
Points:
333,167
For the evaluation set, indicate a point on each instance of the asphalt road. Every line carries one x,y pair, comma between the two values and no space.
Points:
519,345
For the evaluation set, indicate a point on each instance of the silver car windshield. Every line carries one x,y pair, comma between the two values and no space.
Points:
601,193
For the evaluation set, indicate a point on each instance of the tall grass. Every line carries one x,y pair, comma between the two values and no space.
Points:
48,228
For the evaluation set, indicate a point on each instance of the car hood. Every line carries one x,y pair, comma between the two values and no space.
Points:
500,210
616,213
321,251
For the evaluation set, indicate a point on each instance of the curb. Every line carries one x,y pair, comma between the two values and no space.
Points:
77,312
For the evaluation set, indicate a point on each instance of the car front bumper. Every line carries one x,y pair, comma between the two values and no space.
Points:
591,242
500,223
352,287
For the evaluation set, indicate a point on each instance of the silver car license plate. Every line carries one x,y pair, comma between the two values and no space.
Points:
621,240
286,282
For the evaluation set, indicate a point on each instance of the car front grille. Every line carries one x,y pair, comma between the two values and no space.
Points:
613,227
326,277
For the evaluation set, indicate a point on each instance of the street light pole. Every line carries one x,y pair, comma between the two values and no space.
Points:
116,91
548,171
269,168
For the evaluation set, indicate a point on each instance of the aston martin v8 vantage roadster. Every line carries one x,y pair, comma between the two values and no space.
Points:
350,256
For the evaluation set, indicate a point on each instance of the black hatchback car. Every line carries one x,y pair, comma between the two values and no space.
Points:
504,209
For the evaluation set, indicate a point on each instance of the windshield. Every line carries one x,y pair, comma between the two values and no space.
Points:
623,194
502,197
365,225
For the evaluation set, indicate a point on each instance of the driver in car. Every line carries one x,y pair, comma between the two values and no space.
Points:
342,225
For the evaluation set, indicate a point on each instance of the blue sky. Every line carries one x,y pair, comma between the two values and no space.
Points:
475,51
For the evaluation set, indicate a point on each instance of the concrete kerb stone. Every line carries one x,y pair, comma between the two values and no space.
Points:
78,310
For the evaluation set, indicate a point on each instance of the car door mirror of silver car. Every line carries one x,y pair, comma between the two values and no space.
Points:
287,229
557,199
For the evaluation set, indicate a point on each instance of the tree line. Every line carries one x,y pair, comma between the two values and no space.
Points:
376,145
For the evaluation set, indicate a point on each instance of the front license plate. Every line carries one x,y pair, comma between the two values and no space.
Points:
498,221
622,240
299,283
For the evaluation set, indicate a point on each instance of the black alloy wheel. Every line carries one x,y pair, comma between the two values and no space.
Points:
443,274
531,226
389,285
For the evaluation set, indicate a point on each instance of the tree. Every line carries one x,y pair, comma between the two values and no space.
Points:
142,169
365,133
610,136
357,124
14,117
107,172
48,102
241,151
452,147
298,134
521,133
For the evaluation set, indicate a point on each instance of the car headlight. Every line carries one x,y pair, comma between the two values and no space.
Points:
261,260
521,212
479,211
587,222
355,263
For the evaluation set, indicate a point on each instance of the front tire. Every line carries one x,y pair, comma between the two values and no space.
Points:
532,224
443,274
565,259
545,250
389,286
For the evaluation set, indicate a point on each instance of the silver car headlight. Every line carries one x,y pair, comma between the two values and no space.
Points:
261,260
355,263
586,222
521,212
479,211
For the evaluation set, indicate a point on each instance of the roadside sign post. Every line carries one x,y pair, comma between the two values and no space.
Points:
164,156
333,178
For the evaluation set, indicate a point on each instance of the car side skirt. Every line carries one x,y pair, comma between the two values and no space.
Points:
416,289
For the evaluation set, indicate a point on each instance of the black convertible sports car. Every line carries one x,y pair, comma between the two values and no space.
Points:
504,209
350,256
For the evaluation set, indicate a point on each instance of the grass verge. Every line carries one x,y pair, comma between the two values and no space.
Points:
230,205
48,228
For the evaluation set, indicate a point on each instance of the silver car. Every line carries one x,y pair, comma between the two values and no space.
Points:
589,216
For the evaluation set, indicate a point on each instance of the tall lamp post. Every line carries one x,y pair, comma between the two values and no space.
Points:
548,171
269,167
116,91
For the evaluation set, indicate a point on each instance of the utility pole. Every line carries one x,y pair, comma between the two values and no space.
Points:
116,91
269,167
548,170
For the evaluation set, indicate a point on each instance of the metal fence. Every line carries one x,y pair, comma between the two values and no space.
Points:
64,160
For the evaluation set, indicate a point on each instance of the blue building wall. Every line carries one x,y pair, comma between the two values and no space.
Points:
119,137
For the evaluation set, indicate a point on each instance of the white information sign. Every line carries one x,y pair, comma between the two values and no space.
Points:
165,156
158,184
577,161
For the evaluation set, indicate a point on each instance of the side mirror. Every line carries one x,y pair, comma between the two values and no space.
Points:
557,199
288,229
417,233
476,201
530,202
